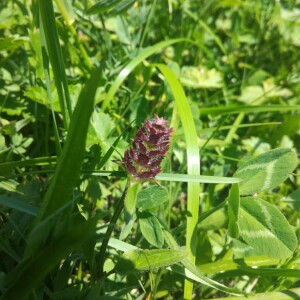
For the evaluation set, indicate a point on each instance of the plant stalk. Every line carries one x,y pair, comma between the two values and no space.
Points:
100,258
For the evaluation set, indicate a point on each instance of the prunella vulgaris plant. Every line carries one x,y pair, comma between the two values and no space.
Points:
142,160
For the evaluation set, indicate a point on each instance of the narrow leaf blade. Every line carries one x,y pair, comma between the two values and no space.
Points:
233,210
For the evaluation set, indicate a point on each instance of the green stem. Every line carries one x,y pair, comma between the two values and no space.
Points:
100,258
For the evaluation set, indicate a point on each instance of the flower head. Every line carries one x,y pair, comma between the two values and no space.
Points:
151,142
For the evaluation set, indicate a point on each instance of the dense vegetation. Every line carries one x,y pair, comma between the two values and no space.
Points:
77,80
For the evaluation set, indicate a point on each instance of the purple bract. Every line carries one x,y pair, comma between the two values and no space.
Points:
151,142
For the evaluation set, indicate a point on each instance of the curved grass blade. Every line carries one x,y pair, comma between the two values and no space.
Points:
69,164
193,163
122,246
291,294
192,272
133,63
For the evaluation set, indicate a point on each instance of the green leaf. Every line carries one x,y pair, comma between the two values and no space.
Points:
10,43
199,77
196,178
192,272
294,199
291,294
229,264
103,125
131,66
151,197
111,149
18,204
233,210
69,164
193,163
204,251
266,171
40,264
265,228
130,200
49,29
236,109
252,94
102,6
121,7
127,227
66,9
144,260
151,229
213,219
39,95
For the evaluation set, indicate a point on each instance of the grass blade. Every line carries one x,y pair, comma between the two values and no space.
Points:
291,294
56,58
18,204
193,161
236,109
46,259
196,178
69,164
133,63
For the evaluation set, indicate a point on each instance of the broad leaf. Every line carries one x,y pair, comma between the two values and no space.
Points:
266,171
263,226
143,260
151,197
151,230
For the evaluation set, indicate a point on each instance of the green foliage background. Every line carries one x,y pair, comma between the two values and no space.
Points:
75,75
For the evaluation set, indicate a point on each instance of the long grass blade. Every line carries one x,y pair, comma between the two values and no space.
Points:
193,164
133,63
56,58
290,294
69,164
196,178
236,109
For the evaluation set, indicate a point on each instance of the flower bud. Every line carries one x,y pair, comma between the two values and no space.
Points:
151,142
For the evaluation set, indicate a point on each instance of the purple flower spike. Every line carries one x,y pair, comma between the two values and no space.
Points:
151,143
